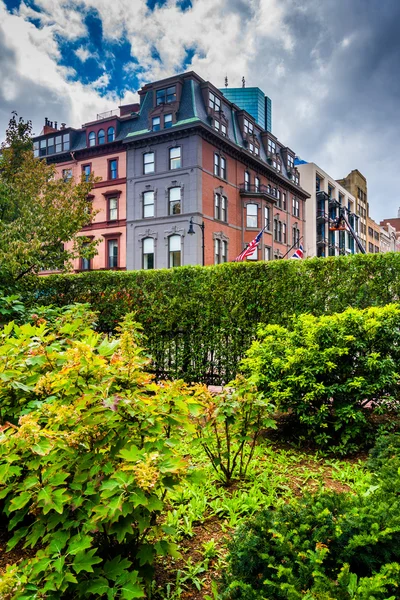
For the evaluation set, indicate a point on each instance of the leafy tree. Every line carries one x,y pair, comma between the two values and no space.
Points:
39,213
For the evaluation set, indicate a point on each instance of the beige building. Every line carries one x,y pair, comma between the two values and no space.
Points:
356,184
373,236
327,197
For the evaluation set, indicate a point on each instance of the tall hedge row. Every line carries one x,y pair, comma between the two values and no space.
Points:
199,321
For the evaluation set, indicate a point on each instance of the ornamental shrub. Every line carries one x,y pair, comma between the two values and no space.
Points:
332,373
86,469
199,321
327,547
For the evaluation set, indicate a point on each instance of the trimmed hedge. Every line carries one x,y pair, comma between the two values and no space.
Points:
200,321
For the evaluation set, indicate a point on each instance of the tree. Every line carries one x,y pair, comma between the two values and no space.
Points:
39,213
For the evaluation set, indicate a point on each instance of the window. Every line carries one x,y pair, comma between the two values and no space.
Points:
166,95
223,167
317,183
256,150
284,204
253,256
148,162
271,147
220,207
156,123
247,181
92,138
148,253
267,216
110,134
278,230
267,253
296,236
223,129
35,149
216,165
341,198
50,146
43,148
148,204
256,184
251,147
295,207
113,169
101,136
85,262
214,102
221,251
112,246
174,201
278,197
251,215
174,251
248,127
216,125
290,162
330,190
167,121
112,209
284,235
65,141
67,174
86,169
279,166
175,158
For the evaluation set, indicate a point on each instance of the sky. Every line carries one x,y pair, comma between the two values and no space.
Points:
331,68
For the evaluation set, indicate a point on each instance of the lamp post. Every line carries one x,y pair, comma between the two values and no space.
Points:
191,231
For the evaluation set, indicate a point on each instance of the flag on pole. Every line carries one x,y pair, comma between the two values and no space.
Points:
299,252
248,251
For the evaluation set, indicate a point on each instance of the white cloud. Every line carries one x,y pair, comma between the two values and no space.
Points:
83,54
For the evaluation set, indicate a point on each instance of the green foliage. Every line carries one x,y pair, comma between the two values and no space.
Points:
206,318
85,474
229,426
331,372
324,547
384,461
39,212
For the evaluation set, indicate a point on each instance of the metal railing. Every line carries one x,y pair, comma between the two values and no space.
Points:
252,188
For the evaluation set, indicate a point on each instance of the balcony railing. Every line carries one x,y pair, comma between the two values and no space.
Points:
262,190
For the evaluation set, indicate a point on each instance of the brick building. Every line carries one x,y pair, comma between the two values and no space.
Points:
191,153
95,148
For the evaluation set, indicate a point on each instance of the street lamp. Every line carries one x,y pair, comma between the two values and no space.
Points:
191,231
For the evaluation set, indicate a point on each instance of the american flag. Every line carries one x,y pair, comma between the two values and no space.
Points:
250,248
299,252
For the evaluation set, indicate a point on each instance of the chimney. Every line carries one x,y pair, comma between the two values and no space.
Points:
48,127
63,125
55,124
128,109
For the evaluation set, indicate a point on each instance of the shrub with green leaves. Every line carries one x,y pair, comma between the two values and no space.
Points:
229,425
85,472
327,547
332,373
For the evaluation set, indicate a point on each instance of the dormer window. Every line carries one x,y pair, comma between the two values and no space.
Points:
156,124
110,134
251,147
214,102
290,162
223,129
101,136
166,95
256,150
92,138
248,127
271,147
216,125
167,121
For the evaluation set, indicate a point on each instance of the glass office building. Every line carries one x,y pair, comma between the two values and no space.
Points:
254,101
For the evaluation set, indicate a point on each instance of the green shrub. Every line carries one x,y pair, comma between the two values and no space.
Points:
332,373
384,461
229,426
331,547
85,473
199,321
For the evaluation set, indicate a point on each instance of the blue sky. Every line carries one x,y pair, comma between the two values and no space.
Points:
329,67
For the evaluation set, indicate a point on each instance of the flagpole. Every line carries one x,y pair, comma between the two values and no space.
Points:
300,238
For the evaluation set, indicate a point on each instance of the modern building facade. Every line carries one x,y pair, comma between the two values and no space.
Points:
327,197
356,184
193,154
254,101
95,148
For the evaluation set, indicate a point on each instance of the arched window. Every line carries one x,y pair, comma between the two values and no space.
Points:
92,138
110,134
148,253
101,136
